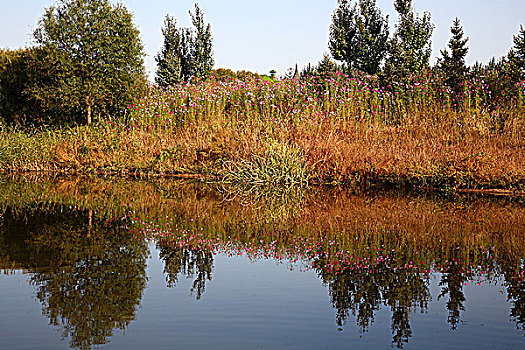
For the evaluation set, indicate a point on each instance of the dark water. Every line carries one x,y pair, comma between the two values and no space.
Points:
92,263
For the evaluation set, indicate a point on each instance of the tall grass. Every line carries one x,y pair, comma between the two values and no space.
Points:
281,164
343,129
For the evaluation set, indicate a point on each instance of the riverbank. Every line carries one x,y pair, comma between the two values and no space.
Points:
352,134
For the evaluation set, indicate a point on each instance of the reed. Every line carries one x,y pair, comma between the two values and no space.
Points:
344,129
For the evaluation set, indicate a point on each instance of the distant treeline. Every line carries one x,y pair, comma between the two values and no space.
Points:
88,60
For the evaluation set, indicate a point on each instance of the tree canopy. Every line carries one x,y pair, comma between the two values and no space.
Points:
359,35
170,58
186,52
517,56
410,47
93,58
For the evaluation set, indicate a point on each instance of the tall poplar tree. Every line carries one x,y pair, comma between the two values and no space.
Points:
410,47
359,35
343,34
186,52
453,64
169,60
201,45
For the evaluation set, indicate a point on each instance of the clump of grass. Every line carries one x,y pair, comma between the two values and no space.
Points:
281,164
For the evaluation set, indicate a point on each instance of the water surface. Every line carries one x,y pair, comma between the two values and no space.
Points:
98,263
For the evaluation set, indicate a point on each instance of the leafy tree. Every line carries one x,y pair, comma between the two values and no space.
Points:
186,52
453,64
201,45
169,60
343,33
359,35
93,57
15,105
410,47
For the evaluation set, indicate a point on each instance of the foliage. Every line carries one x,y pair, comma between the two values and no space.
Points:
453,65
187,52
348,128
359,35
202,46
499,80
169,59
92,58
224,74
16,106
410,47
325,68
519,51
516,59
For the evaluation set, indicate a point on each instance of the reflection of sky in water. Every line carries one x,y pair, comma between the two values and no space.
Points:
263,304
364,254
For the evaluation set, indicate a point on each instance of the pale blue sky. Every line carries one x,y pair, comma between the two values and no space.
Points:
270,34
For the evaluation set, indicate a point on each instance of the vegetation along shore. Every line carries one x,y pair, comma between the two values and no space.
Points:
383,117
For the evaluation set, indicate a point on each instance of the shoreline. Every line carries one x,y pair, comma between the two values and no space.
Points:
210,178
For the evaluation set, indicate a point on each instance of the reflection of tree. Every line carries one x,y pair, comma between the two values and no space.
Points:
89,280
362,290
187,262
516,294
355,291
513,270
452,284
404,290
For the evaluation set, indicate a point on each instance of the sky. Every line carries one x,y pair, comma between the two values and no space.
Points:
277,34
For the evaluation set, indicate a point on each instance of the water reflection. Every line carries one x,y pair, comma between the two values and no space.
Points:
189,263
373,252
89,278
361,291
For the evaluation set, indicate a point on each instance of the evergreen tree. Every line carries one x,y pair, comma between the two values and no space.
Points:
93,58
169,60
325,67
359,35
410,48
516,57
453,64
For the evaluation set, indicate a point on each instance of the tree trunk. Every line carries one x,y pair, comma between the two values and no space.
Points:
88,105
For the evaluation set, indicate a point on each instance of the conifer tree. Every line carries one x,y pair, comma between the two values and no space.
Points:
516,57
359,35
325,67
453,64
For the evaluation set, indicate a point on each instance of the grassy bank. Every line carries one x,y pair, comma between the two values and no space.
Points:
343,129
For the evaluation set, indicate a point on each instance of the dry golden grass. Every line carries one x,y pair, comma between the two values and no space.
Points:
353,133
